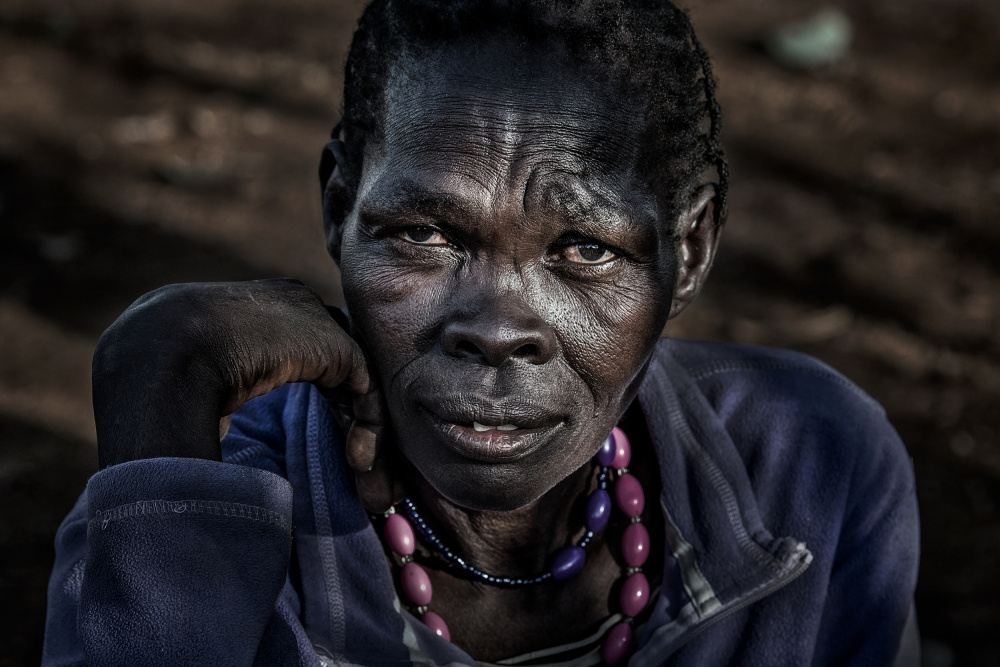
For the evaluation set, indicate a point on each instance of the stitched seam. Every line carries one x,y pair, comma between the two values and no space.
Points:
139,508
715,476
253,451
324,528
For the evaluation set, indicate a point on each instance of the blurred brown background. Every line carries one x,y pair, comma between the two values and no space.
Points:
144,142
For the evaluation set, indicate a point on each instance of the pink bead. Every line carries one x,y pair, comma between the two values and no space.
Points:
618,644
416,584
628,493
623,450
436,624
635,545
399,535
635,594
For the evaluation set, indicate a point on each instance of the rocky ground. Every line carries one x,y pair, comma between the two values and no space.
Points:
155,141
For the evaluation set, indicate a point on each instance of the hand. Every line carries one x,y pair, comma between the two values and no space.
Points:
185,356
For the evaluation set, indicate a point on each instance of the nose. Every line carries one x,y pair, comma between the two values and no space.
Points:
499,330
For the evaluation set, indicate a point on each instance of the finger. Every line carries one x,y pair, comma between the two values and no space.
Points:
375,488
224,427
357,377
362,445
320,352
338,362
369,407
365,436
340,402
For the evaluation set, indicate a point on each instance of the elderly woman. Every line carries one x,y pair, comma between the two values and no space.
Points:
493,458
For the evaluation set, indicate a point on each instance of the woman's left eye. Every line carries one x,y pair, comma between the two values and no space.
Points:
588,253
423,236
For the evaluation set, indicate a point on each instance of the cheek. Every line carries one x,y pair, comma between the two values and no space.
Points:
395,308
608,331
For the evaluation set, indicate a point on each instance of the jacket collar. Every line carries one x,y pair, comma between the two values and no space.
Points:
723,555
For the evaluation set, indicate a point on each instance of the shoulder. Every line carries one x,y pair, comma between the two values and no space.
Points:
733,370
807,435
751,387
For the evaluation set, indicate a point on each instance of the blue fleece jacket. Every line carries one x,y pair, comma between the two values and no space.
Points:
788,503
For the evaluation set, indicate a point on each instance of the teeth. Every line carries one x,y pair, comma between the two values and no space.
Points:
502,427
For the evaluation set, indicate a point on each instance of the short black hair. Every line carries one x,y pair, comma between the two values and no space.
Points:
649,46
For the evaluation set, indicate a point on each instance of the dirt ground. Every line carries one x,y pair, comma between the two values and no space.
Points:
144,142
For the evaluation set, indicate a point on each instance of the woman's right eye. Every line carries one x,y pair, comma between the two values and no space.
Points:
423,236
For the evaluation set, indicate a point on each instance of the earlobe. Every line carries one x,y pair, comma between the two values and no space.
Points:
697,240
337,197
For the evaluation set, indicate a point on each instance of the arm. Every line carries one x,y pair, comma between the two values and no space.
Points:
186,560
868,616
175,556
174,574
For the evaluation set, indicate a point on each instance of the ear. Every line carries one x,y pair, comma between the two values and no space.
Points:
338,200
697,241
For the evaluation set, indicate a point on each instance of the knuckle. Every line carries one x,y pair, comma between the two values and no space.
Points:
167,327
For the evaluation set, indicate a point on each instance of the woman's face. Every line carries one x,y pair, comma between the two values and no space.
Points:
507,269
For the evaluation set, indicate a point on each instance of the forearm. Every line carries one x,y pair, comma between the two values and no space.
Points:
186,561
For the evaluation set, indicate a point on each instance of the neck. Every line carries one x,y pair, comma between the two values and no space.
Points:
518,543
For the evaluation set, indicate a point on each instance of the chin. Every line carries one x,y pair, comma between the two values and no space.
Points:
501,486
493,487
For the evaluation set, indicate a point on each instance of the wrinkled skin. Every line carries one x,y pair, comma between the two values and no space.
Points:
464,274
185,356
504,264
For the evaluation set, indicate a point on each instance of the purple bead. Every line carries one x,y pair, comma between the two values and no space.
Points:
606,454
635,594
617,644
623,450
568,563
635,545
598,510
416,584
399,535
628,493
436,624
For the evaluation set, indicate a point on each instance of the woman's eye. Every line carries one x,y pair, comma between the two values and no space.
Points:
588,253
423,236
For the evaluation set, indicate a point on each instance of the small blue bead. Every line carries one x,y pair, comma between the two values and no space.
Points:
606,454
568,563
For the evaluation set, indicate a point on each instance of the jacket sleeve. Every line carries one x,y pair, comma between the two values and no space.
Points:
868,615
176,561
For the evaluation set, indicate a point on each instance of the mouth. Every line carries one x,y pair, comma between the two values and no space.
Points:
492,434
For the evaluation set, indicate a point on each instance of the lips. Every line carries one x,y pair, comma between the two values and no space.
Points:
492,431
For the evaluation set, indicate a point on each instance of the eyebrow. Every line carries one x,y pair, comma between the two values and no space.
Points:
408,197
589,213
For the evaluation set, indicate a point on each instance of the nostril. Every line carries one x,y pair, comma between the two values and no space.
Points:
493,340
527,351
466,348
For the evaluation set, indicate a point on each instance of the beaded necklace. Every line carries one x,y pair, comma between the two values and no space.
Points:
614,455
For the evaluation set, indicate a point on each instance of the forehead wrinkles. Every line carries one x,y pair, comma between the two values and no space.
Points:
503,145
569,197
